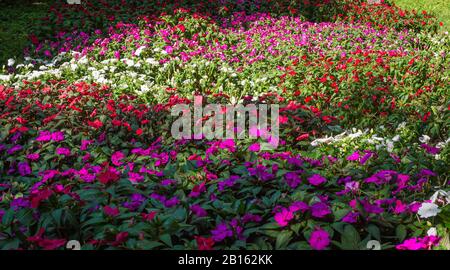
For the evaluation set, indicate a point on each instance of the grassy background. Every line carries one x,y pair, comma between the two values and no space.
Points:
17,15
15,18
441,8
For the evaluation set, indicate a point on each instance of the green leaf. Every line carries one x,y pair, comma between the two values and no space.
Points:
283,239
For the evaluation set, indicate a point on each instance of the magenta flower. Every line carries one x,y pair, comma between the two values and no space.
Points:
316,179
354,156
111,211
351,217
57,136
319,239
117,157
33,156
254,147
44,136
63,151
411,244
198,210
320,210
283,217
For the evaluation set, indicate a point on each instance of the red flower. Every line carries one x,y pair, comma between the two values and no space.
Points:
111,211
139,131
302,137
95,124
181,28
150,216
120,238
107,176
204,243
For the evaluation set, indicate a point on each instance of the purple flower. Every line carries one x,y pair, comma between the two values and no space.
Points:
260,172
316,179
299,206
320,210
135,177
229,182
292,179
171,202
24,168
351,217
19,203
14,149
430,149
251,218
198,210
221,232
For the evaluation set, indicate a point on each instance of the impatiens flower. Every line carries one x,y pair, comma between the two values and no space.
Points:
430,149
117,157
44,136
150,216
354,156
204,243
121,238
108,175
400,207
292,179
221,232
283,217
57,136
198,210
261,172
254,147
316,179
171,202
351,217
411,244
63,151
197,190
14,149
427,210
33,156
111,211
320,210
319,239
299,206
135,177
24,168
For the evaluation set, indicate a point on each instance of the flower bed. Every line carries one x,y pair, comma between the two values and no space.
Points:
86,150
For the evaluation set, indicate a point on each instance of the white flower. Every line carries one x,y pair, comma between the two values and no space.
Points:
424,139
139,50
11,62
396,138
441,195
389,146
427,210
432,232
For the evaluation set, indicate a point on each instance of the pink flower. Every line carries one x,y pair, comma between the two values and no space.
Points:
24,168
411,244
283,217
400,207
57,136
319,239
354,156
33,156
117,157
254,147
316,179
63,151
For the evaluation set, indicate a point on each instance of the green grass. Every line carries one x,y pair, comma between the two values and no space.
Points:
440,8
16,17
